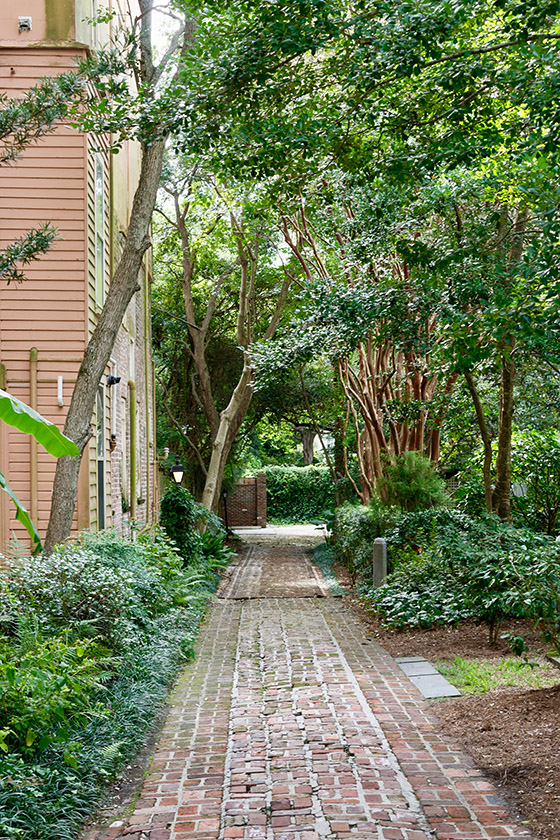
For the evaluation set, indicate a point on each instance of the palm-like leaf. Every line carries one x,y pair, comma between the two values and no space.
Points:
16,413
22,514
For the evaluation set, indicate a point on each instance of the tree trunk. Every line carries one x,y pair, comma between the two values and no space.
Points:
501,498
487,443
339,461
231,419
123,286
308,439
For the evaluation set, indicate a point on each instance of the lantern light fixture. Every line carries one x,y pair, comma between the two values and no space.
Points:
177,471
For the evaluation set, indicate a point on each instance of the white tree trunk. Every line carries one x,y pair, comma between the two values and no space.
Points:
231,419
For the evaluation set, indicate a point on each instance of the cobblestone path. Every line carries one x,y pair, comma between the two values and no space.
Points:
292,725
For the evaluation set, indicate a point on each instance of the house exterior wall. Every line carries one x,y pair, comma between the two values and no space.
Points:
46,321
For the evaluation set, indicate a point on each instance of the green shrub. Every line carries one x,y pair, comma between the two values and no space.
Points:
535,479
540,589
536,471
46,688
411,483
299,494
102,587
73,711
179,516
357,527
447,566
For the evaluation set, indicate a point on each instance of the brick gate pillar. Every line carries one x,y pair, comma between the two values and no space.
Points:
260,491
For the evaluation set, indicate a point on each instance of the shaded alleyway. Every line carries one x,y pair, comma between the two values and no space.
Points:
292,725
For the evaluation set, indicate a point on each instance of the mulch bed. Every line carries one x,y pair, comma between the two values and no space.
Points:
512,734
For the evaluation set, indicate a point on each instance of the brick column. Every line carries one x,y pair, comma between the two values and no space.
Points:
260,491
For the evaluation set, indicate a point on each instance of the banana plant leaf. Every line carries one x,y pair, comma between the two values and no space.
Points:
22,514
16,413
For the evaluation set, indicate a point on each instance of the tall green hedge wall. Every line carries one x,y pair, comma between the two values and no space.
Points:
298,494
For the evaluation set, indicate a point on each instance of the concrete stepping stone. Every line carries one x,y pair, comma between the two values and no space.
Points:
426,678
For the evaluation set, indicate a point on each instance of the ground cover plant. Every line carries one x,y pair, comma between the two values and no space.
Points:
446,566
90,640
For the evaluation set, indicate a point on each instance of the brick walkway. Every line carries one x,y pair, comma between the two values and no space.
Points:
292,725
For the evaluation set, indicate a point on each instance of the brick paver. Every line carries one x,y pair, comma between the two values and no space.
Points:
276,571
292,725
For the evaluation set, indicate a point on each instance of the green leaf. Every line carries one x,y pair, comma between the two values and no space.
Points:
16,413
22,514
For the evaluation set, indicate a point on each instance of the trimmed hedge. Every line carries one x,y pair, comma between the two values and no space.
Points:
298,494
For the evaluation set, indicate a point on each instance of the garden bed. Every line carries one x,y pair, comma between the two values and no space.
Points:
513,734
92,638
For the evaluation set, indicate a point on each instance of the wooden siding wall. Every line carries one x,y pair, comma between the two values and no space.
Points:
48,310
55,310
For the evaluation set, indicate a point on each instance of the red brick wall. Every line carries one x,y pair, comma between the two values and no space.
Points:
247,502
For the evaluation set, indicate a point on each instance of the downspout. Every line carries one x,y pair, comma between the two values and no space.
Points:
147,377
34,466
155,501
132,413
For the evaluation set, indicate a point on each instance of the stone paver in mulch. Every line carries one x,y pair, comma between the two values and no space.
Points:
292,725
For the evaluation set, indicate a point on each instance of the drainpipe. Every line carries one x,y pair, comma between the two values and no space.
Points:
155,502
147,377
132,414
34,466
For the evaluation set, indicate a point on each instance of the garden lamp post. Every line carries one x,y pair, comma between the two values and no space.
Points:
224,500
177,471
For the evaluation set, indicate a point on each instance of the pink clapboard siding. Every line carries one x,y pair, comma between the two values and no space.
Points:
49,310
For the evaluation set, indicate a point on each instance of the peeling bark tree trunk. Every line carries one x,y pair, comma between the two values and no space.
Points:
123,286
383,377
487,443
501,498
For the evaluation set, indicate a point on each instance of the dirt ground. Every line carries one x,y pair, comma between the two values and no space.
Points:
512,734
